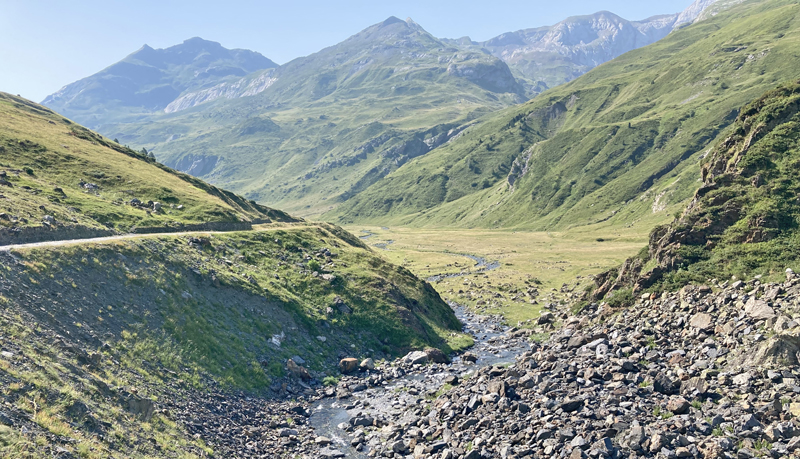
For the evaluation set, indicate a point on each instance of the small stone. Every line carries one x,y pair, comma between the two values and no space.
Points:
678,405
701,320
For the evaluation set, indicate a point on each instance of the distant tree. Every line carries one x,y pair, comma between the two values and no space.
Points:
116,140
151,156
144,151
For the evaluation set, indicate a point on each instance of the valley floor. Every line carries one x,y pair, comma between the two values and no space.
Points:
530,269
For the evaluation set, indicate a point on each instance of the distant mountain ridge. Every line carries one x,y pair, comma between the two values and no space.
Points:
545,57
150,79
619,145
392,37
318,130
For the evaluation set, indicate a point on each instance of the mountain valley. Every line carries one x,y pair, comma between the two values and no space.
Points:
576,241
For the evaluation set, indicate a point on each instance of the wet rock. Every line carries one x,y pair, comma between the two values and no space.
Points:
436,355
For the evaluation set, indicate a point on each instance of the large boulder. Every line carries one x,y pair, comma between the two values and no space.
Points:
779,352
701,320
416,357
348,365
436,355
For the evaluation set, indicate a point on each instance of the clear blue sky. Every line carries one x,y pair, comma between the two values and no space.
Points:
46,44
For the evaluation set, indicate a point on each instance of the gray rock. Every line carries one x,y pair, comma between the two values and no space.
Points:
758,310
416,357
701,320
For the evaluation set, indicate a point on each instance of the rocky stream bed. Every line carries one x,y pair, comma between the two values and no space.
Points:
707,372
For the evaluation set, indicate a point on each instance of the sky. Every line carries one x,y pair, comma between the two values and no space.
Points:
47,44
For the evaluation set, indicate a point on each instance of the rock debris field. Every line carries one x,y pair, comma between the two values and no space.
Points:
707,372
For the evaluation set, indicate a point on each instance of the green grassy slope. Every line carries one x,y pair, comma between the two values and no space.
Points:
53,167
334,122
744,219
167,317
622,143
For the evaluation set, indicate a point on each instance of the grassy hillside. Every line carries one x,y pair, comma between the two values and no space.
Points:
744,219
52,167
620,144
326,126
164,318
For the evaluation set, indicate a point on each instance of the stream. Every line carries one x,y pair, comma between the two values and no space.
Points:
482,265
389,401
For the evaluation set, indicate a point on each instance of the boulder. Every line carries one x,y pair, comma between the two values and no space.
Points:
341,306
571,405
758,310
546,318
348,365
663,384
367,364
678,405
436,355
416,357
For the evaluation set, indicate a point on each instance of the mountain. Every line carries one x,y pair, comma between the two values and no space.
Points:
317,131
321,128
743,220
58,178
619,145
546,57
150,79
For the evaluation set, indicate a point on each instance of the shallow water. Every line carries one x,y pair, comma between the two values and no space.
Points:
327,414
481,266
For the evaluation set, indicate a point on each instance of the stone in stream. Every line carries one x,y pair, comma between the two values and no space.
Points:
416,357
436,355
